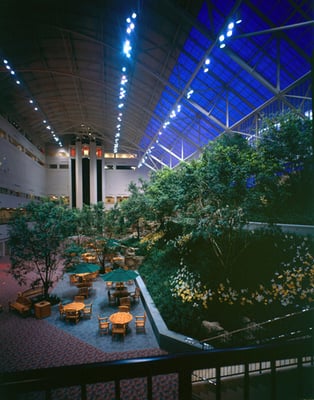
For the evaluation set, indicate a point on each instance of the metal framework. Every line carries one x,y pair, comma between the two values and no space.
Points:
186,86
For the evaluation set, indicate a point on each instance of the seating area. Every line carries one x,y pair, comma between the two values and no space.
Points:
25,300
22,305
90,326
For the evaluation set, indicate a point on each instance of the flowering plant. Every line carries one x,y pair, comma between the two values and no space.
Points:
293,286
187,286
152,238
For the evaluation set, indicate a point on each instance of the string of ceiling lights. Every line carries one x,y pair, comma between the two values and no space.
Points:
222,40
31,101
127,49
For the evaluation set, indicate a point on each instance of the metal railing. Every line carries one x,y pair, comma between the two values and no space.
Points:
267,331
12,384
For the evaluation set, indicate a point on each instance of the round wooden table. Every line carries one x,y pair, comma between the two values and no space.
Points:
76,305
121,318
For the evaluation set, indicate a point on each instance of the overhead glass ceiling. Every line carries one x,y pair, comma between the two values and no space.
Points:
68,56
266,59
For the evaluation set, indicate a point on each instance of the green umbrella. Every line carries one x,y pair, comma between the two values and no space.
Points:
120,275
83,268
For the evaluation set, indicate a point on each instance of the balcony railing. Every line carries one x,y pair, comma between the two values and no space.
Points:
13,384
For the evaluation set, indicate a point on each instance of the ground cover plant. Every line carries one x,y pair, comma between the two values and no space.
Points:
264,284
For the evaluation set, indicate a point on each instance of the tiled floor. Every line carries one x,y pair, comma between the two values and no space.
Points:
87,329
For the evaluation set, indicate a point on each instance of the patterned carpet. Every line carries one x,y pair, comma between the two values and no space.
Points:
30,343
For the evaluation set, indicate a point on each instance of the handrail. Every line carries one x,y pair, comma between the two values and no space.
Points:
255,325
183,364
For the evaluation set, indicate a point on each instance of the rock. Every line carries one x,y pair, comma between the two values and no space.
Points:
213,326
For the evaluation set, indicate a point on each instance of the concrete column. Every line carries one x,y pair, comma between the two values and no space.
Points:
78,174
103,179
93,173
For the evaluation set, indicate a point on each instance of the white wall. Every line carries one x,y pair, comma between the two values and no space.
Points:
58,180
21,173
117,181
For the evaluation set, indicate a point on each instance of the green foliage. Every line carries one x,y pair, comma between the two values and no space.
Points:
225,166
286,170
256,289
91,219
135,209
114,221
35,237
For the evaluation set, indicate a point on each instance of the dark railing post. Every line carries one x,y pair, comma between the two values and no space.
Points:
273,380
218,384
185,385
83,392
246,382
300,378
117,389
149,388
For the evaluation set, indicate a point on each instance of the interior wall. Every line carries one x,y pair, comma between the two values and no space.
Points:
49,173
117,182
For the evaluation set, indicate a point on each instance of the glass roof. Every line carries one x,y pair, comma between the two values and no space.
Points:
268,52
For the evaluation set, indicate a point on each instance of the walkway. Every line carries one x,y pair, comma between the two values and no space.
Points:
87,329
37,343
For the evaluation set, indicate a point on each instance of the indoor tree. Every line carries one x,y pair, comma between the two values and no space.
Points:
36,234
136,208
285,150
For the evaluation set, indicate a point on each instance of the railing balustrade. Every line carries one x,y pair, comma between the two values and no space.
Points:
182,364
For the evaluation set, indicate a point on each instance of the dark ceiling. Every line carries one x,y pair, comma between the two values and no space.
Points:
67,56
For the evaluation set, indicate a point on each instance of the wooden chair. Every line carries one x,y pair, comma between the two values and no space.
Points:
93,276
112,300
72,315
84,291
120,286
136,295
125,301
103,324
140,321
73,279
118,329
124,309
87,310
79,299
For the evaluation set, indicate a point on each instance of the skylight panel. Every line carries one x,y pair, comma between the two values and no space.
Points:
186,63
297,66
202,41
193,48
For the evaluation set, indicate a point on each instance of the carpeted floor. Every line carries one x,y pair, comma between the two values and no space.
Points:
30,343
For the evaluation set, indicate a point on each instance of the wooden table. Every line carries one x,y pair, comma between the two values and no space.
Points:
76,305
121,318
